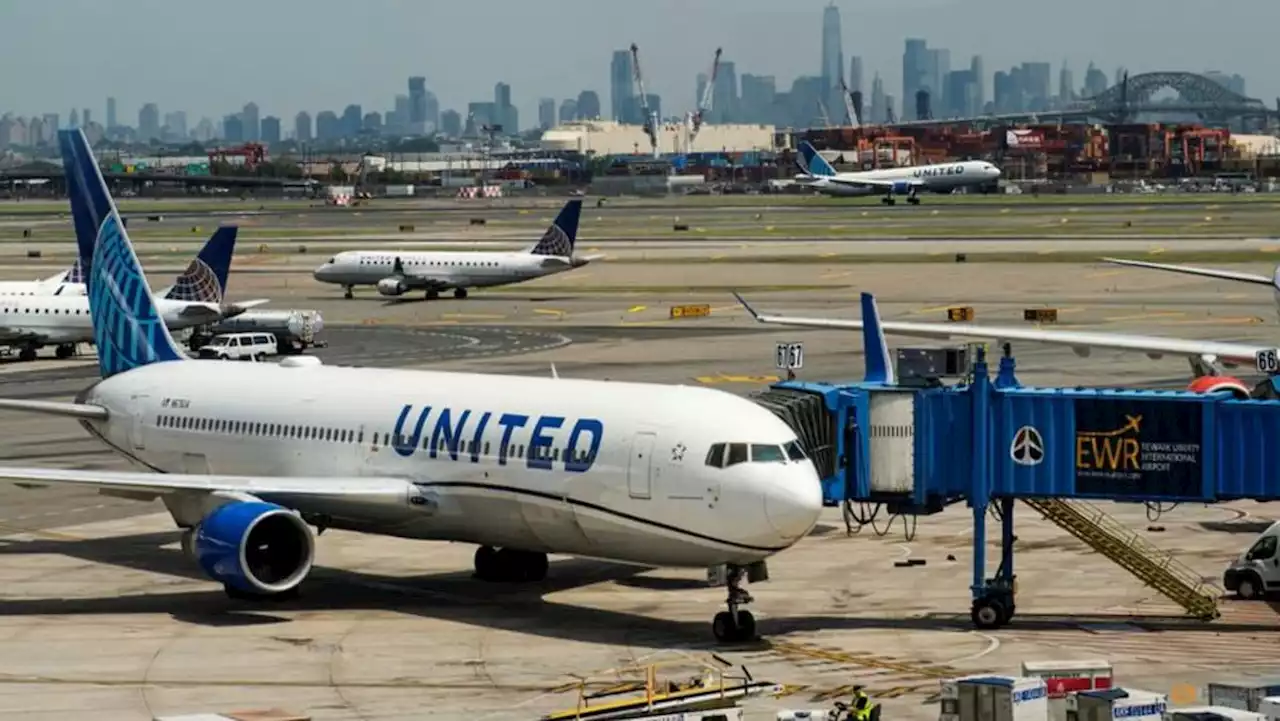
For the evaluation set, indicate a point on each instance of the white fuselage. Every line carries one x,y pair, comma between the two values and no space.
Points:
65,318
647,495
941,177
40,287
478,269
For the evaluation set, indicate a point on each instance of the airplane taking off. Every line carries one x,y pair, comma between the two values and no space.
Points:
1207,358
941,178
395,273
248,456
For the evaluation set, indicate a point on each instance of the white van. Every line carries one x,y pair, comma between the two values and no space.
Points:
1257,571
240,346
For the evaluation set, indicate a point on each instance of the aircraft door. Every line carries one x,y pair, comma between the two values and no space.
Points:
640,467
137,424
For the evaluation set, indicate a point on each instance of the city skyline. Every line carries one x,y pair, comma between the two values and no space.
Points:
670,67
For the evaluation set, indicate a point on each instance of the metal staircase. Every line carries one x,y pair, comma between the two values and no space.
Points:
1154,567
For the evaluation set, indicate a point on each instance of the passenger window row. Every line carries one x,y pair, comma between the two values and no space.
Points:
255,428
339,435
47,311
723,455
436,263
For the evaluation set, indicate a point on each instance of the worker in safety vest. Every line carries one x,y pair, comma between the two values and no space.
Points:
863,708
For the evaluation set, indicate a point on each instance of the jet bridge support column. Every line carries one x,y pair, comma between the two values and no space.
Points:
992,597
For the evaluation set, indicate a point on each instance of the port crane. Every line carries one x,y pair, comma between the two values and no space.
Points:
704,103
650,118
848,104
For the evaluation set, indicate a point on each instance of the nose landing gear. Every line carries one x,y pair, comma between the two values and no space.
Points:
736,625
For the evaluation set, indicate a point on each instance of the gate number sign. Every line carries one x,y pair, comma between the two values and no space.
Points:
789,356
1268,361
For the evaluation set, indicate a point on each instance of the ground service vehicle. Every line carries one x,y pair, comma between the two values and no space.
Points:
240,346
1257,571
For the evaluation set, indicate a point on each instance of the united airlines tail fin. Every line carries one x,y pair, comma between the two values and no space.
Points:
127,328
814,164
74,274
560,236
205,280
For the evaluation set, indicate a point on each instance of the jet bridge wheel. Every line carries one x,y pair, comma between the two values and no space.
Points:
990,613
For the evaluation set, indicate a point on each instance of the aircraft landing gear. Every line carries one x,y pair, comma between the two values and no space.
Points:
889,200
432,294
508,565
912,198
459,293
736,625
28,353
66,350
348,292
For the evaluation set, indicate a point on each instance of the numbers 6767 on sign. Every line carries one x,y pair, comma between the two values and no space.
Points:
1268,361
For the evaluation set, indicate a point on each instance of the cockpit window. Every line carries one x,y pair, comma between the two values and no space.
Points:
332,259
715,456
794,451
761,453
737,454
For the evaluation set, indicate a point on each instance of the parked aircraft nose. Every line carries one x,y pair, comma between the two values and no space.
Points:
324,272
793,501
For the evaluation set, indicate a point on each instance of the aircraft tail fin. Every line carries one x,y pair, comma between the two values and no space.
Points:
205,280
879,364
562,233
127,327
814,163
74,274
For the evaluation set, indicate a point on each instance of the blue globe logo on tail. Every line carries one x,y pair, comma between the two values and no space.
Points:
127,329
558,240
198,284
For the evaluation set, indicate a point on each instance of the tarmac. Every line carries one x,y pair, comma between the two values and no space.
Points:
100,611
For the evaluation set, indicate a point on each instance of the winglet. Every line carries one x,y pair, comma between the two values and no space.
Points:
1275,279
746,305
879,365
205,280
554,374
127,328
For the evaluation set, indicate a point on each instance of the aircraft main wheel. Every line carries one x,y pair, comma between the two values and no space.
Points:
348,294
27,354
460,293
913,200
433,294
726,630
66,350
486,563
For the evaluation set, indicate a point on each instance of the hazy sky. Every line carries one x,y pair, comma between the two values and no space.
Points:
209,58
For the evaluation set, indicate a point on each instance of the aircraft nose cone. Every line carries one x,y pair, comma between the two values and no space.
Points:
793,503
320,273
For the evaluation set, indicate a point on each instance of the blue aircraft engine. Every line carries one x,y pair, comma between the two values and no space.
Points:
900,187
254,548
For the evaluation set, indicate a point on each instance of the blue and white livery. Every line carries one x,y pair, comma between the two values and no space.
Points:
818,174
248,457
396,272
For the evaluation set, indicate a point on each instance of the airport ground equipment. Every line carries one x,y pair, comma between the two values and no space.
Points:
914,446
295,330
713,695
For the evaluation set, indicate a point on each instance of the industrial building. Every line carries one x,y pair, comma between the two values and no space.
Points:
604,137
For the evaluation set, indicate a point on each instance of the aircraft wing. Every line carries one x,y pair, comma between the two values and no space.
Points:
1192,270
159,484
427,282
198,310
243,305
869,183
1079,341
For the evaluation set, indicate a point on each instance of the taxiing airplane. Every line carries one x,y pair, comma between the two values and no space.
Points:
395,273
910,181
1208,358
248,456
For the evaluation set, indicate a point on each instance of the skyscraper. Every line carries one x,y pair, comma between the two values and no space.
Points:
417,105
832,57
855,75
251,123
724,94
568,110
111,113
878,107
504,112
148,122
1066,84
588,105
302,127
546,113
980,83
622,85
915,64
1095,81
270,129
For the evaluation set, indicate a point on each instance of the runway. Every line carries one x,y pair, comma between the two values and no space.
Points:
101,611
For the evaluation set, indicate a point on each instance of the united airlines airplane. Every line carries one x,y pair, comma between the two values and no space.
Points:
58,313
940,178
248,457
395,273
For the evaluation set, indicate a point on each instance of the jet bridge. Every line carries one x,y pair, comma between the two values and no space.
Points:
993,442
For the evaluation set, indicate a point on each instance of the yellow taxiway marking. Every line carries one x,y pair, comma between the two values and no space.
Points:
1155,251
1236,296
932,309
828,255
1144,316
718,257
1046,251
1104,274
548,311
636,308
835,274
722,378
1238,320
474,316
